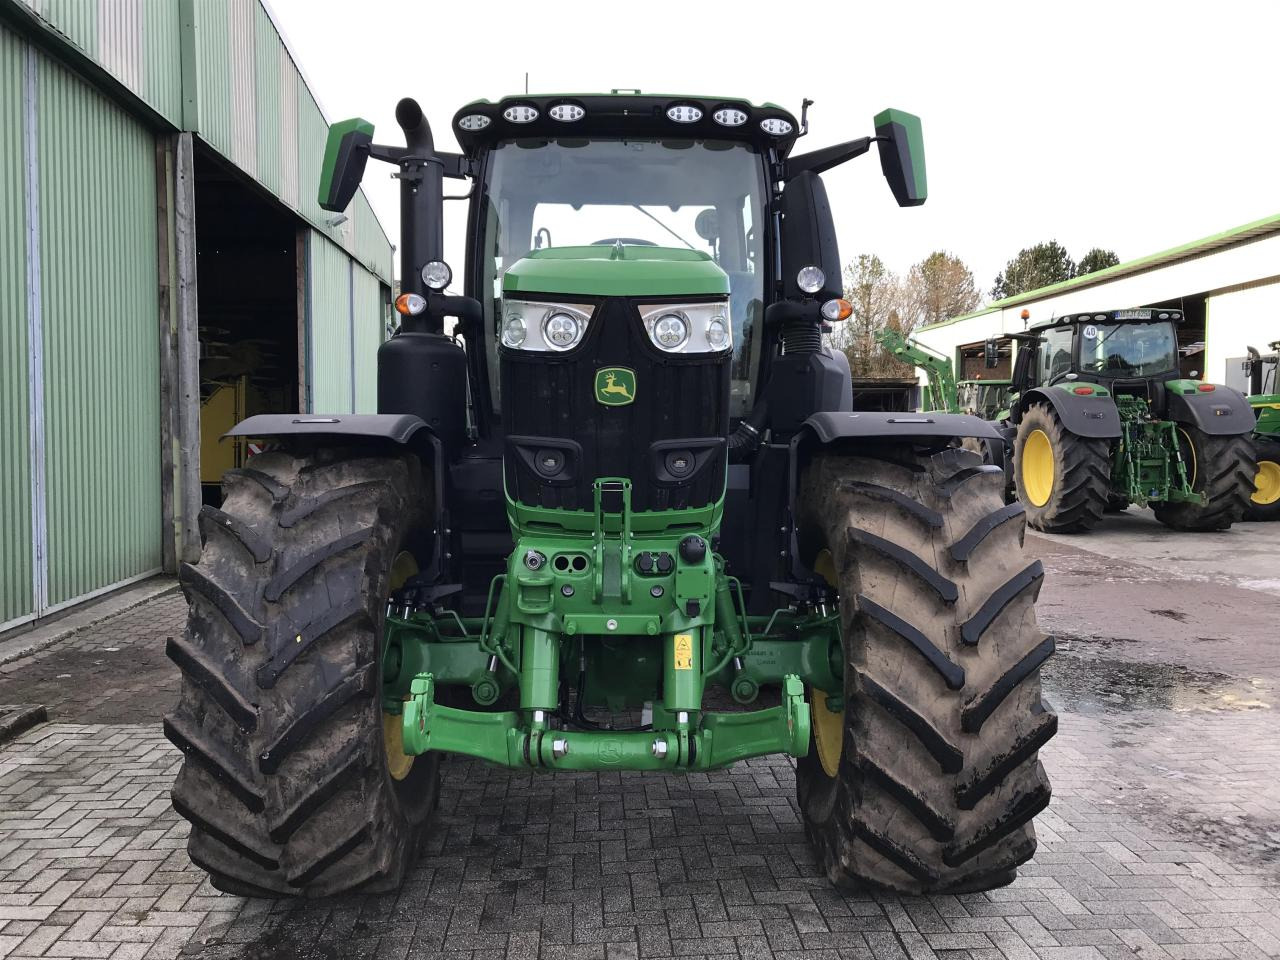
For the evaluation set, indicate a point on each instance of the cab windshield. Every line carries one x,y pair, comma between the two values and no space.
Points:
698,194
1128,349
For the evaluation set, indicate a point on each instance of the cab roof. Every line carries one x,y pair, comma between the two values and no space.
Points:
624,114
1140,314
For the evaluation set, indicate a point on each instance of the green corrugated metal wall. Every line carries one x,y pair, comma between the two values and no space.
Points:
136,41
101,354
369,331
15,462
329,315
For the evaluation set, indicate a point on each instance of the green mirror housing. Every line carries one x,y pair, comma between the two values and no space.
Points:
902,156
345,154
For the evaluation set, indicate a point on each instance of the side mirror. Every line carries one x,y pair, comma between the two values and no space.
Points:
902,156
991,353
808,237
345,154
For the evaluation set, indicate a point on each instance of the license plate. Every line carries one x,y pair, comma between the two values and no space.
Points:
1133,314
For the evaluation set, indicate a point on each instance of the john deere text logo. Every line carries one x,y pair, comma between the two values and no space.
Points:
615,386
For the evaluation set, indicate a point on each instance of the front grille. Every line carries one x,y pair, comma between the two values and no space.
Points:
550,405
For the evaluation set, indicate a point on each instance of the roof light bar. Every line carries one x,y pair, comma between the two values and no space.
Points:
684,113
521,113
566,112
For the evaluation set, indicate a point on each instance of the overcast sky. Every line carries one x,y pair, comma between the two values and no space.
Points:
1135,126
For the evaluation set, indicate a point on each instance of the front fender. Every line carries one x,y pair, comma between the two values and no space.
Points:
1085,416
830,427
401,428
1220,412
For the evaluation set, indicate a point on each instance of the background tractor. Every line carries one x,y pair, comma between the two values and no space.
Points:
616,475
1264,397
1100,418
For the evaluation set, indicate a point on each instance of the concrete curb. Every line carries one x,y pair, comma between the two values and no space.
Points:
34,640
19,718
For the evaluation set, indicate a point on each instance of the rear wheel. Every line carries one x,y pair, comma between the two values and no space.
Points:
1264,504
294,780
1221,468
925,777
1062,479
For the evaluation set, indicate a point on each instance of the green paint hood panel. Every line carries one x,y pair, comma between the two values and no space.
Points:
617,270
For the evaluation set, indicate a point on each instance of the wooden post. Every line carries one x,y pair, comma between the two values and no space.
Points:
187,395
170,542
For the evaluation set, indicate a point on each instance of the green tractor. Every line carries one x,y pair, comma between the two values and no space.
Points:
614,513
1101,418
1264,397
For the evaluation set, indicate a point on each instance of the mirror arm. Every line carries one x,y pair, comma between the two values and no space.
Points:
456,166
819,160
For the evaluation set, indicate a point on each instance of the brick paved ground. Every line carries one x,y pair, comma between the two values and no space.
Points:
1162,841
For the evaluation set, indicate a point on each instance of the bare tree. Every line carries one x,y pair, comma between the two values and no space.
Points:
937,288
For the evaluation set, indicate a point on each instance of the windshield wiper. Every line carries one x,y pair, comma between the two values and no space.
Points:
664,226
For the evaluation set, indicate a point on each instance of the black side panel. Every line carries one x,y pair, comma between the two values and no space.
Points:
560,439
425,374
808,236
1220,413
1094,417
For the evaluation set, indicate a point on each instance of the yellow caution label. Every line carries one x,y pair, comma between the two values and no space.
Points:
684,651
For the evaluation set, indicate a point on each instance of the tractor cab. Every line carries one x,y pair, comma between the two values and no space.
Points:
1117,348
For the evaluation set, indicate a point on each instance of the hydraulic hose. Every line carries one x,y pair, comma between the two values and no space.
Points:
745,440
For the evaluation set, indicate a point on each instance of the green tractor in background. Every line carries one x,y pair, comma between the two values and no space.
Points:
614,513
1100,418
1264,397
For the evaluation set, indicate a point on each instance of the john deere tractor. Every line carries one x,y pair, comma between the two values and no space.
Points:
1102,419
1263,371
614,513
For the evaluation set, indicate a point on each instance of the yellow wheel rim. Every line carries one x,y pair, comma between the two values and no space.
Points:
1037,468
399,763
828,727
1267,483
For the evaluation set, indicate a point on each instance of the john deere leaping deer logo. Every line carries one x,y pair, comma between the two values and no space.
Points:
615,386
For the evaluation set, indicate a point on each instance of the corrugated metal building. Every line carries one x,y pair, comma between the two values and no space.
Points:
164,270
1226,285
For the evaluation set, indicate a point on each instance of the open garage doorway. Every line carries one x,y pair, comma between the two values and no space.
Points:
1192,333
248,306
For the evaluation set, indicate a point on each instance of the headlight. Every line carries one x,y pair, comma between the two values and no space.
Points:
513,331
561,331
688,327
670,331
544,326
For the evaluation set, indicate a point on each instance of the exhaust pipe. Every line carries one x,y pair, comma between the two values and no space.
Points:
421,208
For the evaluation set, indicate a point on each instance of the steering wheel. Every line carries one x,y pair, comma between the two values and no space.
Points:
628,240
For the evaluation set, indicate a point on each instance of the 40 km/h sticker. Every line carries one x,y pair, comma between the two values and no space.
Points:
684,651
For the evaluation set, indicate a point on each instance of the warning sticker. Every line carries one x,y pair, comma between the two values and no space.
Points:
684,651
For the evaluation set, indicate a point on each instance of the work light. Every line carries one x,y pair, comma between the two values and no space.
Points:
436,274
810,279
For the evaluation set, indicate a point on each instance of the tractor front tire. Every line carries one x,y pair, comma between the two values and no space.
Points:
1221,468
293,779
1264,503
1063,480
926,778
